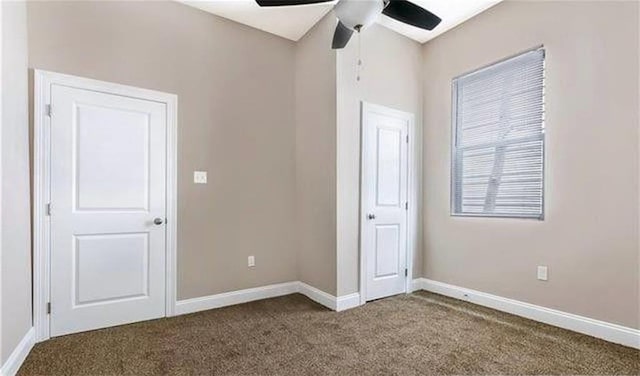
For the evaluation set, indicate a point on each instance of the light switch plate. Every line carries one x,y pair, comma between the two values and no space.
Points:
251,261
200,177
543,273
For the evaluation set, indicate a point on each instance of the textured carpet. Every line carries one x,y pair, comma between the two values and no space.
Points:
421,333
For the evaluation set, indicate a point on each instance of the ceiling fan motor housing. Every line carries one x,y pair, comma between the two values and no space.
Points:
358,14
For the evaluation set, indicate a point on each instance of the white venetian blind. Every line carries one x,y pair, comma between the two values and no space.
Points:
498,156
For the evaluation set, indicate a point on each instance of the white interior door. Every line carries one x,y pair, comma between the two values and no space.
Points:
108,188
384,200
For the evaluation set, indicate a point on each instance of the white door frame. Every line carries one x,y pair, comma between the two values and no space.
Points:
43,81
412,193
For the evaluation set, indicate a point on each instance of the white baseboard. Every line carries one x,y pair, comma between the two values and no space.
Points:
596,328
19,354
317,295
417,284
264,292
235,297
347,302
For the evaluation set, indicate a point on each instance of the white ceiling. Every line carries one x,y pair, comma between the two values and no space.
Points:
293,22
452,12
288,22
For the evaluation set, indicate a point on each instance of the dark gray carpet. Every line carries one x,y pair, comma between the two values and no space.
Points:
415,334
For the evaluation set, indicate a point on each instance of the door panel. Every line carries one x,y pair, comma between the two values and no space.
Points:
387,251
108,184
384,201
102,151
388,175
123,255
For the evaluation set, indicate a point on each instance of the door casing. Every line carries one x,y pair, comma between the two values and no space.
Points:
43,81
412,194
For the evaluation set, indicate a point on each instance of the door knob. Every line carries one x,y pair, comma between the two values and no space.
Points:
158,221
371,216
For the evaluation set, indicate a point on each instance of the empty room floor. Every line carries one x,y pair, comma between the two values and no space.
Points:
420,333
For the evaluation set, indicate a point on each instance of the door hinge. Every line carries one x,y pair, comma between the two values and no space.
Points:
406,205
406,272
407,139
49,308
47,110
48,209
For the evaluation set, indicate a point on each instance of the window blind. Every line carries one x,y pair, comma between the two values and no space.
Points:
498,143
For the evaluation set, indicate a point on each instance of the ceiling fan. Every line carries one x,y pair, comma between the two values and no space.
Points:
354,15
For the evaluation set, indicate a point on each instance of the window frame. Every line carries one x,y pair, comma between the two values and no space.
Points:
454,149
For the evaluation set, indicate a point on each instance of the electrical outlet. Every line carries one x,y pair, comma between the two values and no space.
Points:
200,177
543,273
251,261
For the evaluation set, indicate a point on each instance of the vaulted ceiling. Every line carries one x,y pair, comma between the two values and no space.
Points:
293,22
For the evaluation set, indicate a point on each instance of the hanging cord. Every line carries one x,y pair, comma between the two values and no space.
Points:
359,63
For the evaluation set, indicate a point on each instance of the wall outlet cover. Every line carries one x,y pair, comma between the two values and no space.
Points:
200,177
543,273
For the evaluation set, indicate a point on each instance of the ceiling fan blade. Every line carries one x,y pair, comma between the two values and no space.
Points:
341,36
281,3
409,13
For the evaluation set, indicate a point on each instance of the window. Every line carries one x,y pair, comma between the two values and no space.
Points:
498,139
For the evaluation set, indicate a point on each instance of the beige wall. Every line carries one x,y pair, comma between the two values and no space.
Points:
235,89
328,142
15,241
392,77
316,157
589,238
